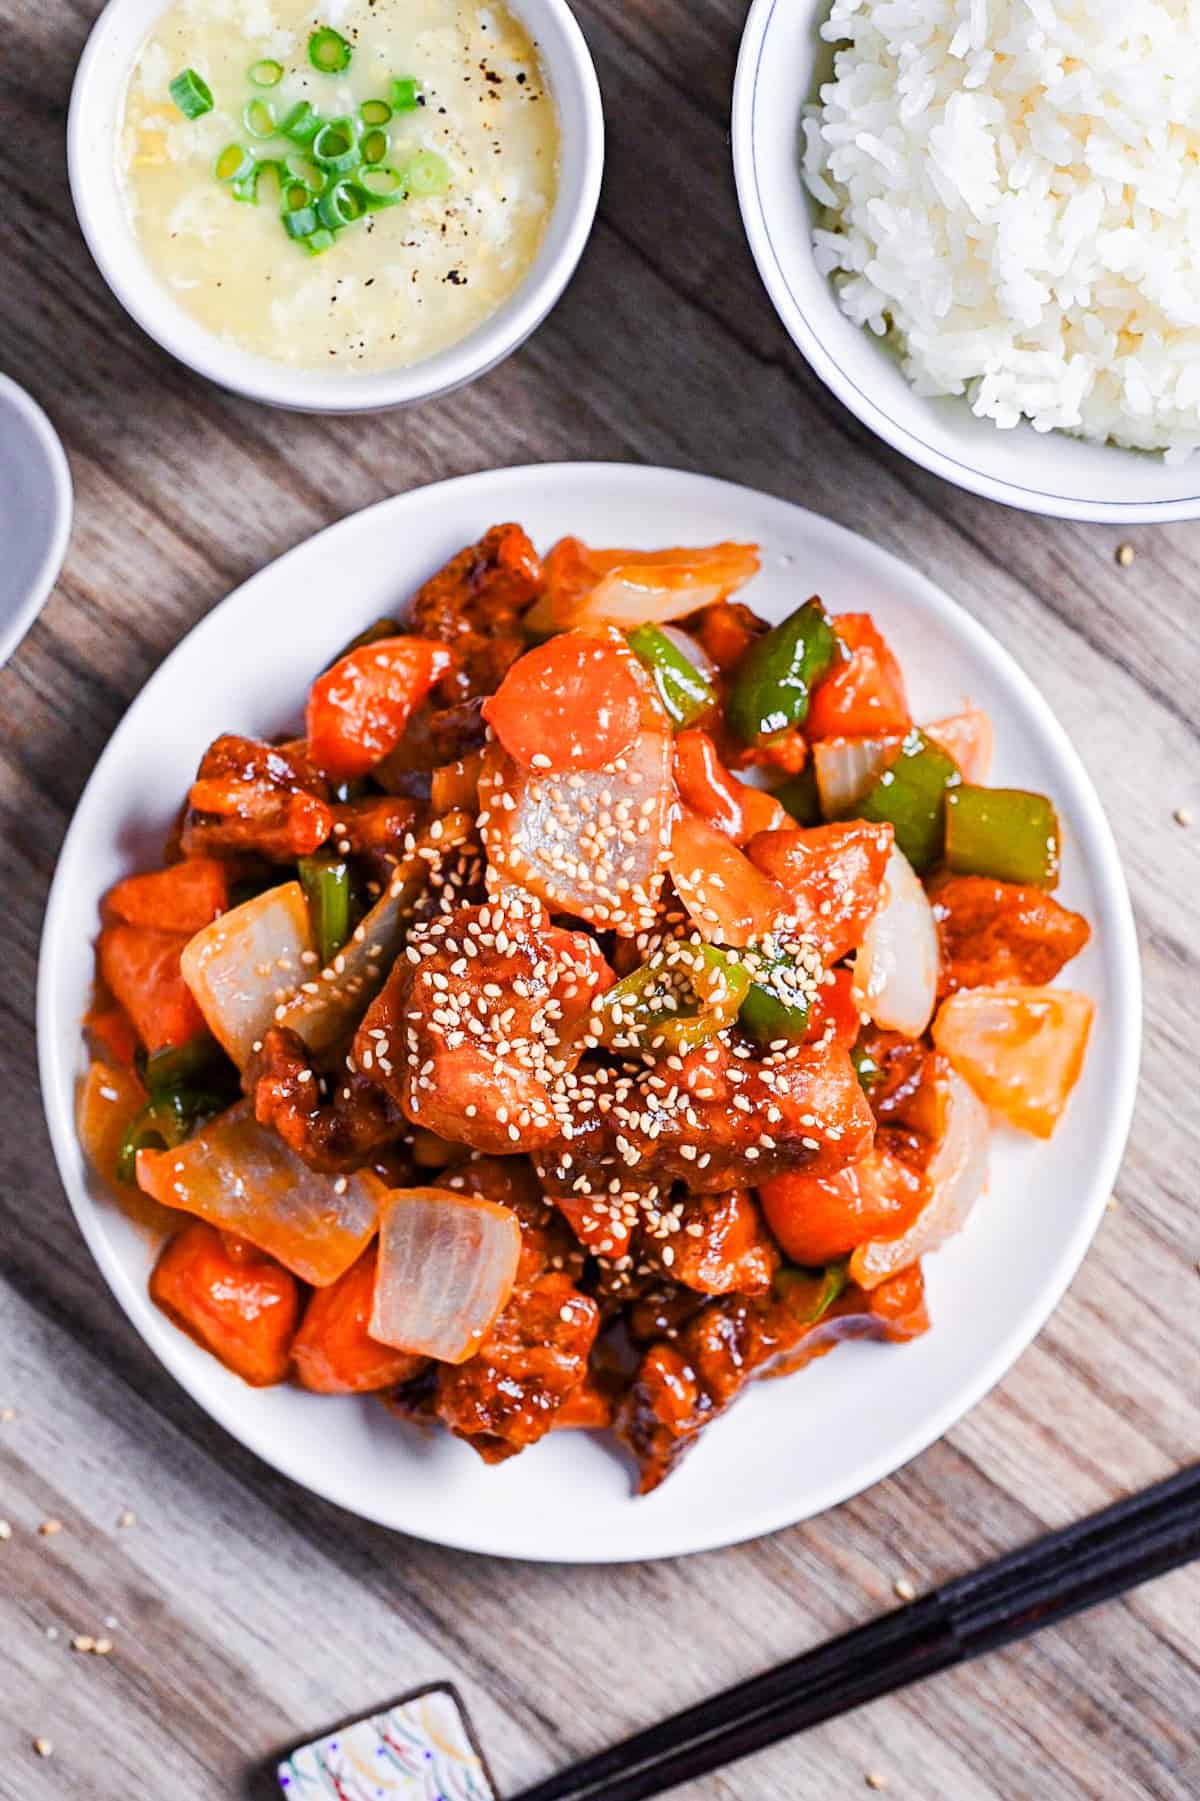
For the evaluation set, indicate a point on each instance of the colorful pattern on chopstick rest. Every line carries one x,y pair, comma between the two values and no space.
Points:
419,1750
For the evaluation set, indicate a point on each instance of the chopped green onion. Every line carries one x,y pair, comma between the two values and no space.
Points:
381,186
258,117
328,51
911,796
300,221
340,204
266,74
375,146
407,93
191,94
326,884
374,112
336,148
233,163
1004,833
426,173
685,691
307,174
318,241
776,676
302,124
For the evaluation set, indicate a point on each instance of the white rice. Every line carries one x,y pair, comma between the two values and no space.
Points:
1013,188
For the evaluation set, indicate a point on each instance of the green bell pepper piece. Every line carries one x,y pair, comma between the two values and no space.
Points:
911,796
766,1011
866,1067
326,885
165,1121
685,691
776,676
1006,833
658,1012
800,796
795,1288
180,1065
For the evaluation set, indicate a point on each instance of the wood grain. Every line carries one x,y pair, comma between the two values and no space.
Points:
249,1613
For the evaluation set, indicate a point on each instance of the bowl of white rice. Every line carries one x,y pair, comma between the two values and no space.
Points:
980,222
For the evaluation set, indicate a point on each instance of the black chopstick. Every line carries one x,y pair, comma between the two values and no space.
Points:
1043,1582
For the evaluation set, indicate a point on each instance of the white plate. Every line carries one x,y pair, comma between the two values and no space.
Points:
781,63
790,1448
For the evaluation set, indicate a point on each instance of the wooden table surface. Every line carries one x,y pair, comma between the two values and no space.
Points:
243,1613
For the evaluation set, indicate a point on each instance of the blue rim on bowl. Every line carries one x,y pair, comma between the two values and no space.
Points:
45,515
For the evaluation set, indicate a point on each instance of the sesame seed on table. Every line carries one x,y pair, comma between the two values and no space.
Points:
243,1614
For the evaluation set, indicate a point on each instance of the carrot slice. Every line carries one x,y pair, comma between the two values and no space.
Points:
574,702
359,710
967,737
141,968
243,1310
333,1352
113,1031
818,1216
865,694
181,898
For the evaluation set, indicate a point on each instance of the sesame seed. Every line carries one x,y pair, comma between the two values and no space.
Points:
48,1528
83,1641
904,1588
126,1518
1125,555
44,1747
1183,816
5,1530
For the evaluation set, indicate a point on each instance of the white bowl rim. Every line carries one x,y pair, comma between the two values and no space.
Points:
49,445
774,276
56,1062
304,390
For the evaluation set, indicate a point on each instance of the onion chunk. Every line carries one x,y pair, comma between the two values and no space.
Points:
242,1178
447,1264
238,966
958,1175
896,967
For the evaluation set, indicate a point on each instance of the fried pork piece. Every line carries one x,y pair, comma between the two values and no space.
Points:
475,604
537,1354
385,823
474,1024
264,799
992,932
546,1240
720,1246
331,1132
713,1119
686,1381
506,1397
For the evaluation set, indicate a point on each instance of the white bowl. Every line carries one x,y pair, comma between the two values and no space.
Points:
93,123
35,512
789,1448
782,59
